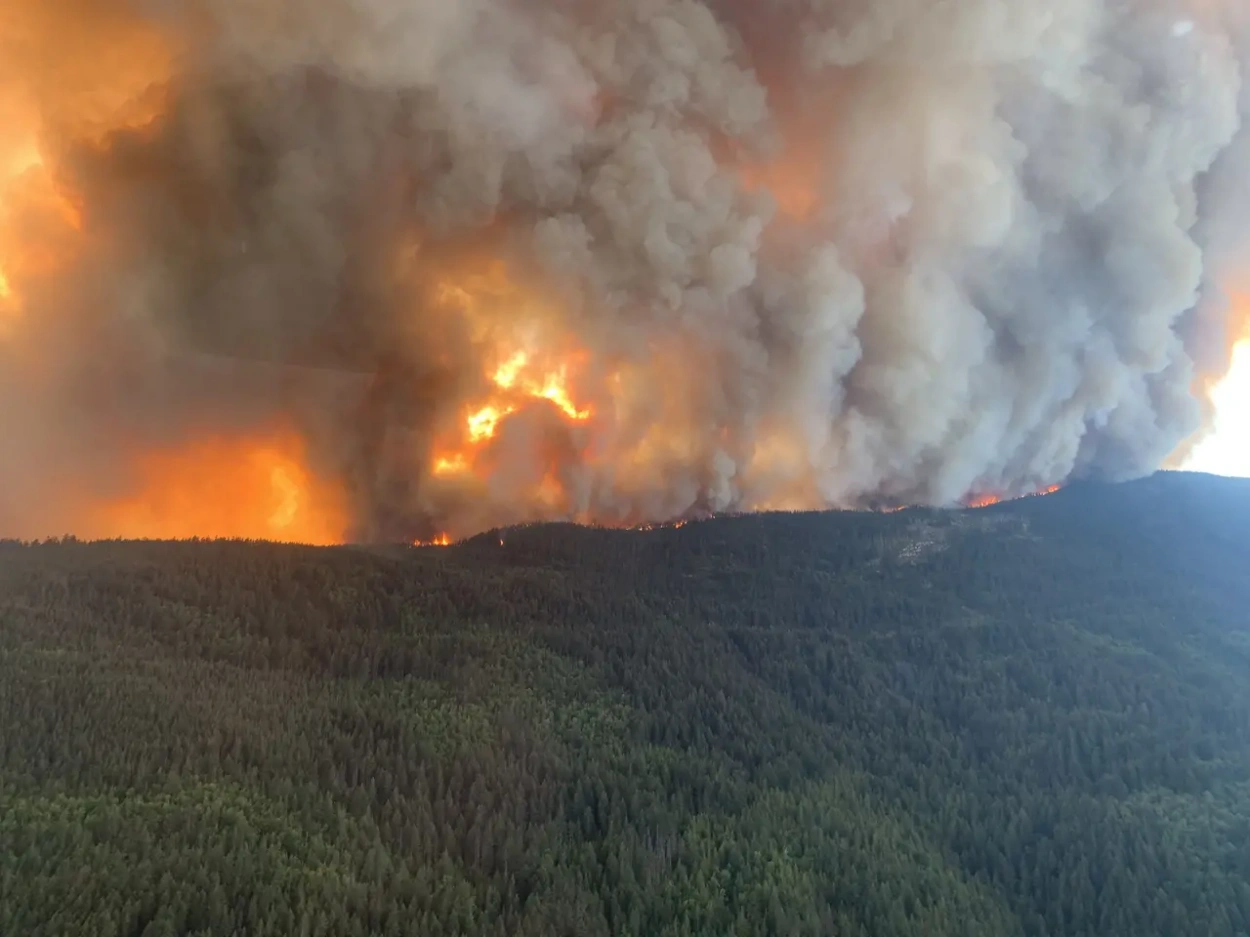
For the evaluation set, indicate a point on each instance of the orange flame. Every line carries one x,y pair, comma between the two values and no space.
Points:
986,500
983,501
256,488
33,215
95,73
521,377
442,540
1224,446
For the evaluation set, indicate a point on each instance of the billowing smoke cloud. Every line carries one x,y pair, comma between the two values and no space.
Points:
753,253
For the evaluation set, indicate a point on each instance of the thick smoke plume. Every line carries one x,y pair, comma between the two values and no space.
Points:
443,266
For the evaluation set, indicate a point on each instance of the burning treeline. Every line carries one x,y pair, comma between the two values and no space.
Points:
337,269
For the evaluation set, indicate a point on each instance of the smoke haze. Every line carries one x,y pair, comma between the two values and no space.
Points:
421,266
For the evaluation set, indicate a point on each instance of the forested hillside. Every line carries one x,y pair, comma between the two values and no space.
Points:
1029,719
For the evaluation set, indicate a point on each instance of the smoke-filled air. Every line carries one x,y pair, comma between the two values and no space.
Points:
343,270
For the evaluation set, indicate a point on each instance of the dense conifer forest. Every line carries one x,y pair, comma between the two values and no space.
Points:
1030,719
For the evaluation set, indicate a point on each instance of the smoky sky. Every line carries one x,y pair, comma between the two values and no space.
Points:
842,252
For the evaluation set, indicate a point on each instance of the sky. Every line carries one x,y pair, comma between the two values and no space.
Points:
1227,450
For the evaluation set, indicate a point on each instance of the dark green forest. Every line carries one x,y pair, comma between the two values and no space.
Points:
1030,719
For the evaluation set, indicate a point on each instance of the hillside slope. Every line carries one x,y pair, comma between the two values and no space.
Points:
1030,719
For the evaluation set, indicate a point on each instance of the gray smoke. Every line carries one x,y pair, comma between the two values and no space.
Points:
811,252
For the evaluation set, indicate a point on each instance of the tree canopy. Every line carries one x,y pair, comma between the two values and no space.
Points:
1030,719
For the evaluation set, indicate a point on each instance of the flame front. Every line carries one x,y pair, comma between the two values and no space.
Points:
987,500
983,501
442,540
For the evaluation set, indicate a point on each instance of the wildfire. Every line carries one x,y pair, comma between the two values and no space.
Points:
442,540
256,488
80,80
1226,450
35,215
674,525
21,164
521,377
263,488
482,423
535,408
983,501
986,500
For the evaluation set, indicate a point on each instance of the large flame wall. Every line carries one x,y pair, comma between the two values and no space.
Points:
334,269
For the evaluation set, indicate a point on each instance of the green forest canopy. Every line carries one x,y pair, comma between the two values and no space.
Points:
1030,719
